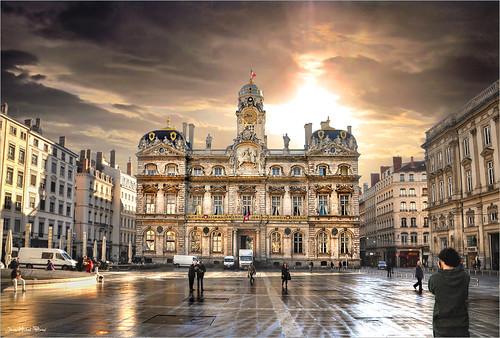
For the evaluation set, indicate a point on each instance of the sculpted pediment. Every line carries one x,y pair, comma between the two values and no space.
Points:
344,146
162,147
298,190
197,189
276,190
171,188
218,189
323,188
247,189
344,188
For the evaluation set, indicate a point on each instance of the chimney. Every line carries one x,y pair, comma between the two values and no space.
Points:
36,127
4,108
375,177
88,154
397,162
62,140
184,130
98,159
129,167
112,155
27,123
349,129
82,155
382,169
37,122
191,134
308,134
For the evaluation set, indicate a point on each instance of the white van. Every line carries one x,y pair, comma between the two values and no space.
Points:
228,262
184,260
38,257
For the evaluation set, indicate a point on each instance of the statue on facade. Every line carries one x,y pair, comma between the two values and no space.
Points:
286,141
208,141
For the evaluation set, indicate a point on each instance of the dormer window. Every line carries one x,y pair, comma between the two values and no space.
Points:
150,169
197,171
171,169
322,170
218,171
343,170
276,171
296,171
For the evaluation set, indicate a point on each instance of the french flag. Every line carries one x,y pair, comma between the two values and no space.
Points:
246,217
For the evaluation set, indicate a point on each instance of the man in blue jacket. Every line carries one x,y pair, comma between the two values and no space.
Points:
450,286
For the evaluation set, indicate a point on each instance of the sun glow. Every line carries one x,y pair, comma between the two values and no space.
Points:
311,103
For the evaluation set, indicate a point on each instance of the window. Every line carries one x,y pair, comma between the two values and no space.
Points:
11,153
150,169
448,155
216,241
69,192
54,152
17,225
32,201
413,222
466,147
275,171
170,241
246,204
61,189
13,130
404,238
424,205
198,204
402,192
170,201
468,176
42,205
275,243
411,192
53,186
424,191
470,218
41,228
61,208
22,155
413,206
426,238
62,170
9,178
297,243
493,214
323,204
20,179
413,238
218,206
403,222
275,205
195,241
198,171
345,243
63,156
487,135
322,243
441,190
68,209
471,241
490,173
412,177
54,167
218,171
426,222
343,170
23,135
297,205
296,171
171,169
150,240
402,206
322,170
433,192
401,177
19,202
7,201
344,205
150,203
70,174
6,224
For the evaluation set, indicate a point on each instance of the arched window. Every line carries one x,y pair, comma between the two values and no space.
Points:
343,170
150,240
150,169
195,241
275,243
322,243
170,241
298,243
216,242
276,171
171,169
296,171
322,169
218,171
345,243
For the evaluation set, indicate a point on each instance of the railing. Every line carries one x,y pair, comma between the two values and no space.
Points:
287,218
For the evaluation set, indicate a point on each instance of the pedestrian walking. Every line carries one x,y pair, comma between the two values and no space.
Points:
50,265
450,286
331,265
14,264
16,277
285,276
340,266
200,274
419,274
389,268
251,273
191,275
478,263
311,265
89,265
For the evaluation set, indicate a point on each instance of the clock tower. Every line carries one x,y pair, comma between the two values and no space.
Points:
251,114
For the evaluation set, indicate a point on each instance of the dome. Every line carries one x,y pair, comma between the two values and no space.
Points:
250,89
171,135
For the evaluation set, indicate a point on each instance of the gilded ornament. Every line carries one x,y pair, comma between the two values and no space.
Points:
151,136
173,135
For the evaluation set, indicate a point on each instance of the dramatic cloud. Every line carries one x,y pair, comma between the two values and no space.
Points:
106,73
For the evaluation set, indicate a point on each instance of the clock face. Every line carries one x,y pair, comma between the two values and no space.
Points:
249,117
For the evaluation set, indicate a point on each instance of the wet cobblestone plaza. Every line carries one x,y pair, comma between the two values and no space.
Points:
316,305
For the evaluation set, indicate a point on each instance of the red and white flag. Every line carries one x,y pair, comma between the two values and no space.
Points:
252,74
246,217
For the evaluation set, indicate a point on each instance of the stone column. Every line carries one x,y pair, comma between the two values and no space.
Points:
49,237
84,244
160,202
27,235
476,158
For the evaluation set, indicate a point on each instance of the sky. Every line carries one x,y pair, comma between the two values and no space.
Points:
104,74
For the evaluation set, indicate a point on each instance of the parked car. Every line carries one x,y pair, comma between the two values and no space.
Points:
382,265
228,262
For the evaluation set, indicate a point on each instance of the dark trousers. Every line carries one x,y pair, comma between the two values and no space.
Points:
389,272
200,280
191,284
284,281
419,284
451,332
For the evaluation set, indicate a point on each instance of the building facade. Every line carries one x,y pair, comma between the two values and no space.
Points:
294,205
37,184
394,223
463,169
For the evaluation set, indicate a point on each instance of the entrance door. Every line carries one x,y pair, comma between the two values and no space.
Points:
246,242
494,251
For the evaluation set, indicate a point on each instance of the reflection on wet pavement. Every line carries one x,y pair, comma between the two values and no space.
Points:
158,304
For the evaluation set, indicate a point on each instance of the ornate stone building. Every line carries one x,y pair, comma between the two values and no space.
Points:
294,205
463,180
